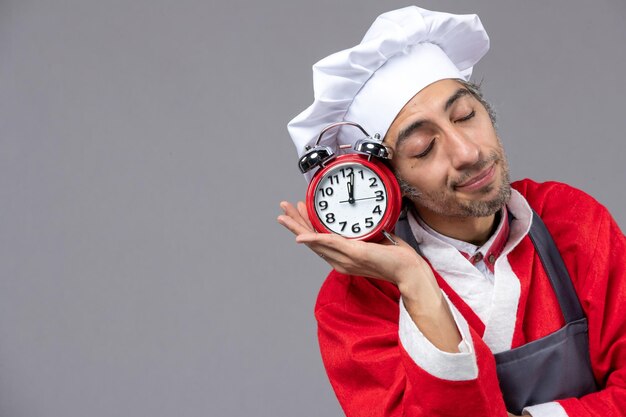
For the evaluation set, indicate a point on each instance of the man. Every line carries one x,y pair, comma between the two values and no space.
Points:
473,311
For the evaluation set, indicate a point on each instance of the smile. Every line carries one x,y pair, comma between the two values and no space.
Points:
478,181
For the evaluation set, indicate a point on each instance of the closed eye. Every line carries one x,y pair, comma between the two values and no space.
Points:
427,150
464,118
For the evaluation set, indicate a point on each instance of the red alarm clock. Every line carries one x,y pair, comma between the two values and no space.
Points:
353,195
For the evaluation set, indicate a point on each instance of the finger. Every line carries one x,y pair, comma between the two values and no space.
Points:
294,226
292,212
342,262
326,239
304,213
322,247
328,255
341,249
322,242
352,256
334,258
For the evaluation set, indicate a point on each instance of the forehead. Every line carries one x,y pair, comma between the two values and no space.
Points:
430,100
434,94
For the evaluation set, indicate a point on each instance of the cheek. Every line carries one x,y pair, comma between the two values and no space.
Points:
486,134
423,176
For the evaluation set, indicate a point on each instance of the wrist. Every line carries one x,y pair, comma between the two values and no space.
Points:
417,283
433,317
427,304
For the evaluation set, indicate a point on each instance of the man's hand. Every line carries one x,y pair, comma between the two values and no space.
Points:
375,260
399,264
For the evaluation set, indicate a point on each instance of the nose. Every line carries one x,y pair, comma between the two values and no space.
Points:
462,150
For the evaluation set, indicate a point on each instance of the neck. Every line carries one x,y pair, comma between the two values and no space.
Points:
474,230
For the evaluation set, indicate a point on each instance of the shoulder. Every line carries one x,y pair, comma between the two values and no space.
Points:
545,192
573,218
556,202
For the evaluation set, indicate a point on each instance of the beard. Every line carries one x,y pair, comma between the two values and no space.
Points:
444,202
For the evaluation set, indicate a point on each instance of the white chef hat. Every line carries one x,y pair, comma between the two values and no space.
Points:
404,51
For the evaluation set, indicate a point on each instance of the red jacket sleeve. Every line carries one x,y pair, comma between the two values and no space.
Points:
371,373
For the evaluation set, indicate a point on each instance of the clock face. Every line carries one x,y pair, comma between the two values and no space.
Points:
350,200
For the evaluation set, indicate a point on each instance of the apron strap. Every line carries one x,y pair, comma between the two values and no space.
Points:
556,270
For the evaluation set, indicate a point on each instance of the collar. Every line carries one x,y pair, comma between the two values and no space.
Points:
488,252
445,252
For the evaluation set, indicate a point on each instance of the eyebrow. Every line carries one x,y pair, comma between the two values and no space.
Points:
461,92
408,131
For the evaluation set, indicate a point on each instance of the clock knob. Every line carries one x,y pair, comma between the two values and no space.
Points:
369,147
315,157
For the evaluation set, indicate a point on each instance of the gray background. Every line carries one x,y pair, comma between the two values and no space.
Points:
143,153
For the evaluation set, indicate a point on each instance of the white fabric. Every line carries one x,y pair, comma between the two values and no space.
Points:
395,83
403,51
552,409
500,325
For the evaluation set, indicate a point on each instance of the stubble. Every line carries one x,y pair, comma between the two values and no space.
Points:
445,202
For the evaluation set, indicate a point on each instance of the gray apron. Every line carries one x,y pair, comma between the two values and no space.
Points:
556,366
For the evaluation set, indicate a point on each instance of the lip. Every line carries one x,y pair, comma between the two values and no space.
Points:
478,181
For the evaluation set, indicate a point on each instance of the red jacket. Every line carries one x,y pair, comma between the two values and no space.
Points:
373,375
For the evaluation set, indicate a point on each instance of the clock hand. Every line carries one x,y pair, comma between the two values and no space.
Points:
351,189
358,199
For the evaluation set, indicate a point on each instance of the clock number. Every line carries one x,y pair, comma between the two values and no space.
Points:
343,225
373,182
356,228
344,170
377,210
323,205
336,178
330,218
361,173
326,192
379,196
369,222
